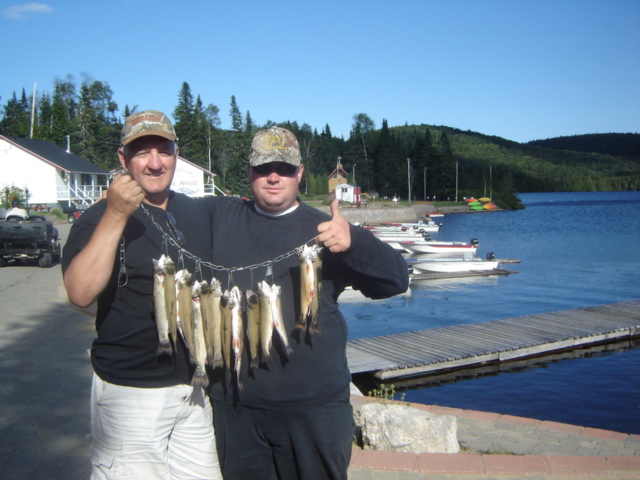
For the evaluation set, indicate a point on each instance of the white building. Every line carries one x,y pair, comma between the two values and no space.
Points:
347,193
55,177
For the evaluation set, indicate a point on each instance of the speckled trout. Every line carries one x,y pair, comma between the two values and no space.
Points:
184,308
162,321
199,346
170,296
253,325
237,332
310,287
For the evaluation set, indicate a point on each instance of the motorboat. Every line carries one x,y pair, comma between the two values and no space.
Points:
435,246
455,265
421,226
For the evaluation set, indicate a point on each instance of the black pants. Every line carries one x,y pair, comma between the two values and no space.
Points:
312,444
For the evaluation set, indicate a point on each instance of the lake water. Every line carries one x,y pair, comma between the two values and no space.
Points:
576,250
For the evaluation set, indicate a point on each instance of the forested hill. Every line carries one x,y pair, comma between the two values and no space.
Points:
618,144
537,166
421,161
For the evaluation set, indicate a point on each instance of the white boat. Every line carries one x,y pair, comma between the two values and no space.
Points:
427,246
450,266
421,226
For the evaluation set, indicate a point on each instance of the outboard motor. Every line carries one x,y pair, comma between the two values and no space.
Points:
410,269
474,241
490,256
426,236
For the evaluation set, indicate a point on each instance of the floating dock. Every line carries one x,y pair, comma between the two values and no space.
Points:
469,345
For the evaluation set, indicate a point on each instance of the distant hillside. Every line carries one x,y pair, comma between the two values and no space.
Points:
617,144
536,166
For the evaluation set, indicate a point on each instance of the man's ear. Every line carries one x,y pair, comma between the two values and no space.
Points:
123,160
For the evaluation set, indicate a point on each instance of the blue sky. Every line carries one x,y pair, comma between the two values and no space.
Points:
518,69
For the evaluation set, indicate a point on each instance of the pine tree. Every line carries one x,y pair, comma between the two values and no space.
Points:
236,174
384,164
311,185
15,121
185,121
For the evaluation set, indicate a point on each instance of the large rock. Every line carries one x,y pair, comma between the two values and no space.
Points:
398,428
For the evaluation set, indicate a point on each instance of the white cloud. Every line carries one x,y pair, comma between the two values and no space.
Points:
19,12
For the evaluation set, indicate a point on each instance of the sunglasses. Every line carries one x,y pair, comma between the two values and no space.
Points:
177,234
282,169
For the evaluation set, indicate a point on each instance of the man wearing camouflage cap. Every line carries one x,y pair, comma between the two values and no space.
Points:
147,420
292,418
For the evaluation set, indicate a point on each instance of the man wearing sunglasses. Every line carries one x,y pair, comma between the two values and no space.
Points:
147,420
292,419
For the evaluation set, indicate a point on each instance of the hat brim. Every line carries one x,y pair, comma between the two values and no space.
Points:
146,133
262,159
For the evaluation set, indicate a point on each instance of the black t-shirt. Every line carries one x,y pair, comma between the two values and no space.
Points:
316,372
125,350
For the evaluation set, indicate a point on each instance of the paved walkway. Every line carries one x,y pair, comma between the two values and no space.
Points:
44,409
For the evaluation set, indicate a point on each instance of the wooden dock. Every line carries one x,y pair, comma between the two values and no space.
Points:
468,345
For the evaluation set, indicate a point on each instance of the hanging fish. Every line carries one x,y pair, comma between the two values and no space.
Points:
253,325
278,321
266,321
237,332
216,333
169,269
227,304
315,302
199,346
206,304
184,308
162,322
310,286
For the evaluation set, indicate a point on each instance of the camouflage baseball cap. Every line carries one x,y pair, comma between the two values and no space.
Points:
275,144
149,122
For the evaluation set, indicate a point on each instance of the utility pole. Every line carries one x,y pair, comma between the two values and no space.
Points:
409,175
354,175
456,181
425,184
33,109
490,187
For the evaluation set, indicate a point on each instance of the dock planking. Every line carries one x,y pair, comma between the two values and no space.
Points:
468,345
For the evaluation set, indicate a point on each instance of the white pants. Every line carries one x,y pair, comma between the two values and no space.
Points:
151,433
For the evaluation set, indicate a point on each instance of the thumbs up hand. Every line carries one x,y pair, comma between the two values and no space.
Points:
335,234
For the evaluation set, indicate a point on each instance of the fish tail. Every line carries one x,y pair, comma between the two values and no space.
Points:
265,357
200,378
314,327
218,361
164,348
301,323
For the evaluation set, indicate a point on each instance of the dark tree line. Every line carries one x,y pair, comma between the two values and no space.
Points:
430,162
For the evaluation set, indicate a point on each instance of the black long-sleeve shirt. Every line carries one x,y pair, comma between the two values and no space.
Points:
316,372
